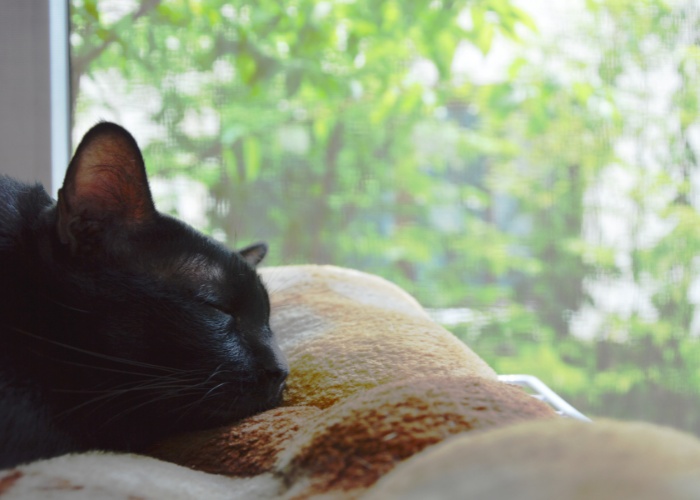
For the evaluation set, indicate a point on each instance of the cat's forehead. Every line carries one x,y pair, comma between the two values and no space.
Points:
210,268
202,267
182,255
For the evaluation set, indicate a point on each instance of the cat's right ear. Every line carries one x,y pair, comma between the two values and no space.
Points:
254,254
105,184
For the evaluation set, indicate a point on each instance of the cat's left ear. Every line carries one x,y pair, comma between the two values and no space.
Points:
253,254
105,184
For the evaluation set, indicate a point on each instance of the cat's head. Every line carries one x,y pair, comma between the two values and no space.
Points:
170,321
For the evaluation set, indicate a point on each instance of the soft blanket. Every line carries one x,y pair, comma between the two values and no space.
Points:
381,403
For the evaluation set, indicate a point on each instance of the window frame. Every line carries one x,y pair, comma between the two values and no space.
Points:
34,101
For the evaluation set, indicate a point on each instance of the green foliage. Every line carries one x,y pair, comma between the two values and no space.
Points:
311,128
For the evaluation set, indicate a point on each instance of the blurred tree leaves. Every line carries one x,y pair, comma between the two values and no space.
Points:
342,132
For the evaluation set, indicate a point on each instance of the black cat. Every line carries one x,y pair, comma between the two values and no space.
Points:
120,325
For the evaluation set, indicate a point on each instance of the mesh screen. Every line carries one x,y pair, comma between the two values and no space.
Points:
527,170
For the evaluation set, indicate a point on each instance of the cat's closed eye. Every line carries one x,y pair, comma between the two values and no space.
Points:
220,308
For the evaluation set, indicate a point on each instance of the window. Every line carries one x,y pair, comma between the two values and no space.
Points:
34,127
528,171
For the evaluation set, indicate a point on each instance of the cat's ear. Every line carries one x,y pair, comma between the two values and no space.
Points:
105,183
253,254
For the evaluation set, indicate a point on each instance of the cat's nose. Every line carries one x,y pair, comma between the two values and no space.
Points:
276,375
273,364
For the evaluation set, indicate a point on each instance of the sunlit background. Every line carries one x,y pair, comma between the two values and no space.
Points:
527,169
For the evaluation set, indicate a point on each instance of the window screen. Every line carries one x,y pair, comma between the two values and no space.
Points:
527,170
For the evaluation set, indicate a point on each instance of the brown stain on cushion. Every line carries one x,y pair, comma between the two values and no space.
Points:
351,359
9,480
245,449
352,444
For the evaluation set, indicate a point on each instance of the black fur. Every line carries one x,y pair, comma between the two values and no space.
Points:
120,325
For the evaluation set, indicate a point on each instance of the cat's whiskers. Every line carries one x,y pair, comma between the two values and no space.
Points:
181,391
166,387
215,372
64,305
98,367
212,390
107,395
195,405
158,382
162,397
163,384
115,359
129,387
